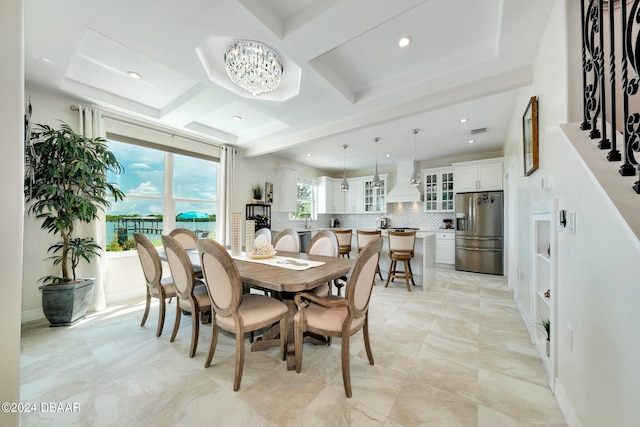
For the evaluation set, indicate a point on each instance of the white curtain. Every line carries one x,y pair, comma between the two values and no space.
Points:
91,125
225,202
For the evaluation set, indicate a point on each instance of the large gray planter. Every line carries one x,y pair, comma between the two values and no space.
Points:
65,304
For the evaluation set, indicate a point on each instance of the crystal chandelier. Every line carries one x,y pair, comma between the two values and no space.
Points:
376,183
253,67
345,184
415,176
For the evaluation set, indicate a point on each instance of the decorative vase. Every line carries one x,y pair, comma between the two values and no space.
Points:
64,305
250,234
236,238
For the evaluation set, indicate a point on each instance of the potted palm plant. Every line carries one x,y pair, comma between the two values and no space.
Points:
66,184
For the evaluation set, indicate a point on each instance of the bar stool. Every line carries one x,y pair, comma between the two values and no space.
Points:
364,237
401,246
344,242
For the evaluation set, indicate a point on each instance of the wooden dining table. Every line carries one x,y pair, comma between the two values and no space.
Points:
285,283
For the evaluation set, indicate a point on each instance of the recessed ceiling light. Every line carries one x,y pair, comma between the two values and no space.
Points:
404,41
134,75
308,154
464,120
237,118
471,141
388,155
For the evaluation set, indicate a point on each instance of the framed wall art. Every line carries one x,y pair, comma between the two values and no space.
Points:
530,136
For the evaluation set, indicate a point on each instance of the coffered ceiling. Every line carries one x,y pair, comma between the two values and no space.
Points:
346,80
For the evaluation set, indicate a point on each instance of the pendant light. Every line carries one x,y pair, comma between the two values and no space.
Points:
376,183
415,177
345,184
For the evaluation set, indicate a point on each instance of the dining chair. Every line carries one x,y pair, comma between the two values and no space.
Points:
234,311
340,317
344,242
192,294
363,237
288,240
185,237
323,243
157,286
401,247
262,235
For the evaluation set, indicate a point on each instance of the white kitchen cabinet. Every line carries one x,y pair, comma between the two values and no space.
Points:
326,195
330,196
446,247
438,189
483,175
375,199
354,197
285,191
339,197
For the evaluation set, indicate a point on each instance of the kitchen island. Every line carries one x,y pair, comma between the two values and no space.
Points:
423,264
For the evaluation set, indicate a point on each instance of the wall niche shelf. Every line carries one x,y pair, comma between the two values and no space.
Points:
545,259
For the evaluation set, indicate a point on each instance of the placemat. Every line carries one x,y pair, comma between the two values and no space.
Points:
281,261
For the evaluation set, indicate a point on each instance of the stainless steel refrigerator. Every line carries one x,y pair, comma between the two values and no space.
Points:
479,232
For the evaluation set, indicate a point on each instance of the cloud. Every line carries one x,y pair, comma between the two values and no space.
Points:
144,189
140,165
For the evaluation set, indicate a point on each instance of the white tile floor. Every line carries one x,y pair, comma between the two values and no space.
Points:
456,355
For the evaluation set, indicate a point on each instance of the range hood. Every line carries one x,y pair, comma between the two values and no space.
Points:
402,191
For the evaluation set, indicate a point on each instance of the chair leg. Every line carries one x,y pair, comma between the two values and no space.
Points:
411,271
161,316
213,343
406,274
297,337
195,331
146,308
379,273
176,324
346,369
391,268
239,360
283,337
367,343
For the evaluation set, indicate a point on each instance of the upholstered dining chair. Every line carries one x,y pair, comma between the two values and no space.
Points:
323,243
157,286
401,247
185,237
344,242
192,294
234,311
262,235
340,317
363,237
288,240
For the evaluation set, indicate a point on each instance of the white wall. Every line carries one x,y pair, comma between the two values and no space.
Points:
599,378
12,200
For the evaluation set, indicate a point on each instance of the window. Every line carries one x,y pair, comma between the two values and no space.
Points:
163,190
305,200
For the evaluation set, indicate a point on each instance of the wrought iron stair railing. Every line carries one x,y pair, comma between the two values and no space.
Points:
619,22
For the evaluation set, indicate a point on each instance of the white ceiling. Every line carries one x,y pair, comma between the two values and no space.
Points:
346,80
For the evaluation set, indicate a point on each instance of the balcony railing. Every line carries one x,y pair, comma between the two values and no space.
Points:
612,28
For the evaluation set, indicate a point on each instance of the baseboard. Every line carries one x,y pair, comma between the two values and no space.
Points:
566,408
524,319
31,315
37,314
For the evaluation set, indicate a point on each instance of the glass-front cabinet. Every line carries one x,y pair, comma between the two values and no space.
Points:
375,199
438,189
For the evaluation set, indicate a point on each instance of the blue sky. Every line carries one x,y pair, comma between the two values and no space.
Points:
143,176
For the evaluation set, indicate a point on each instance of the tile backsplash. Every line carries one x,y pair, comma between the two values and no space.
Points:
410,214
